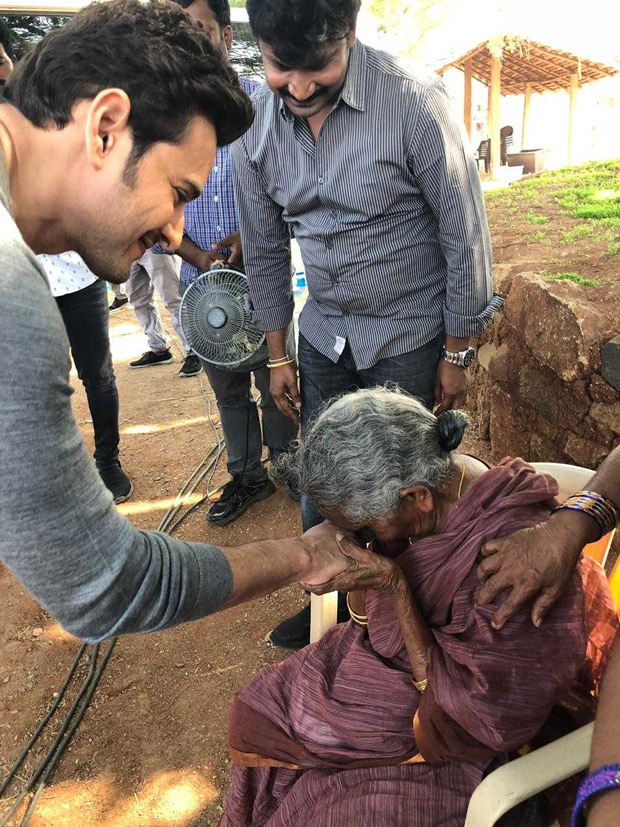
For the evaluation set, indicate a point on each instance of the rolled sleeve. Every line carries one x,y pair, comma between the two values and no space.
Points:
266,245
445,172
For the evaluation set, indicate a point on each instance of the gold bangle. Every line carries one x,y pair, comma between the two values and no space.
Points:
361,620
420,685
272,365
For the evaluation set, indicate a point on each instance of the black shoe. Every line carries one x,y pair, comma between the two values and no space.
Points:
294,632
190,367
118,303
117,481
151,358
236,498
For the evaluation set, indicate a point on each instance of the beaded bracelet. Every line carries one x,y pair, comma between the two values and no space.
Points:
603,779
599,508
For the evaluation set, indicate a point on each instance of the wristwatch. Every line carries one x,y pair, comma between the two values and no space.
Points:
462,358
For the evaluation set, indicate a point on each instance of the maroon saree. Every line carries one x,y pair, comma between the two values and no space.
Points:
326,738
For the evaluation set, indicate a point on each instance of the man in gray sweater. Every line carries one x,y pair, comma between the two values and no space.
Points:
108,128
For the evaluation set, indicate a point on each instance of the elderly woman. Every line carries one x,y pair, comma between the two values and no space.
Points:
394,718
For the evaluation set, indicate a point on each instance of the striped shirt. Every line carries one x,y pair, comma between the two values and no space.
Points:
213,216
387,209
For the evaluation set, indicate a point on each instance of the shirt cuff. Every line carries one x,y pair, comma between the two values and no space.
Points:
463,326
274,318
157,248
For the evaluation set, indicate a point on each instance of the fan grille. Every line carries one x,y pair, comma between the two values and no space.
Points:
220,295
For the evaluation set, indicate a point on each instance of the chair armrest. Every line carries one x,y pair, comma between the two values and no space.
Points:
524,777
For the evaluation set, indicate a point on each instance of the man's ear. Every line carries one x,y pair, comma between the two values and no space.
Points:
351,37
227,34
420,496
107,119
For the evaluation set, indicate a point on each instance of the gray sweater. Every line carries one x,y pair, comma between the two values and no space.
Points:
60,533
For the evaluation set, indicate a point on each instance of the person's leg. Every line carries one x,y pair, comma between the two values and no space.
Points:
413,372
120,299
278,430
239,418
164,273
140,293
85,314
320,380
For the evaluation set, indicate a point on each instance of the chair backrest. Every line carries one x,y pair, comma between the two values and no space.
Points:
483,149
573,478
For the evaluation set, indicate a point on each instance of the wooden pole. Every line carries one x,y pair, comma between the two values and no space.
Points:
574,89
526,113
467,97
496,85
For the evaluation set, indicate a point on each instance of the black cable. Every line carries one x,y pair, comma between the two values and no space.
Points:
43,764
39,729
94,681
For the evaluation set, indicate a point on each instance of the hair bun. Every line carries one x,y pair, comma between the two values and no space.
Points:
451,427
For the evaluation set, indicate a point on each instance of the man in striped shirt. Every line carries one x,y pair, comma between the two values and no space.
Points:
367,166
211,232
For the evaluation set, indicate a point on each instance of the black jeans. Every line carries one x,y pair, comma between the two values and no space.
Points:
320,380
86,317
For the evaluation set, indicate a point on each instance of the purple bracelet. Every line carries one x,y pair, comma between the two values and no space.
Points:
603,779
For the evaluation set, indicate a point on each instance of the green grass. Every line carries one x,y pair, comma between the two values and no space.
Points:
575,278
613,249
539,235
238,3
581,230
536,219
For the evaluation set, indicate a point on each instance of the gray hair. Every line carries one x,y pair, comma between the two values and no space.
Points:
366,447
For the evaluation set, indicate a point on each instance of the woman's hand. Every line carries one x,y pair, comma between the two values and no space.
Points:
367,570
325,559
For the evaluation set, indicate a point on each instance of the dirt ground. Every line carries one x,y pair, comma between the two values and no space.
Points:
151,749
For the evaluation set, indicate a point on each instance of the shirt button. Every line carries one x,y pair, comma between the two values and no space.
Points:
214,169
215,198
321,181
219,229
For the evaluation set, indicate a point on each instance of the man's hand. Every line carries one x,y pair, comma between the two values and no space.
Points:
236,251
206,258
326,560
285,391
534,564
450,386
367,570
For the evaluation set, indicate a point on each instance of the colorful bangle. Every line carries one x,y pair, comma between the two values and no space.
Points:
601,780
599,508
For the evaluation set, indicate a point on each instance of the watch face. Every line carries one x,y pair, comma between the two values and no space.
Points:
469,357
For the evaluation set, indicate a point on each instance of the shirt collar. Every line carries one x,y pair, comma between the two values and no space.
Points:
353,92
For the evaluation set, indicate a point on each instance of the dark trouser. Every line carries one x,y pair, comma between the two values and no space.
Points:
321,380
86,318
240,422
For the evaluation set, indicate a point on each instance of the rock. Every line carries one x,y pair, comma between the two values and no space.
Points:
498,367
510,426
610,362
37,631
602,391
585,452
485,354
562,403
544,450
593,430
607,415
561,327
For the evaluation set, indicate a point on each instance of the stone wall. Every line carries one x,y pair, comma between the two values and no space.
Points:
546,385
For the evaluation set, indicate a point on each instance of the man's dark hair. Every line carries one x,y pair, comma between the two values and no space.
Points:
6,39
220,9
154,52
298,31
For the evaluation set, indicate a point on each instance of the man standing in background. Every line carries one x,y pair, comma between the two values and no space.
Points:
158,273
369,168
211,233
82,299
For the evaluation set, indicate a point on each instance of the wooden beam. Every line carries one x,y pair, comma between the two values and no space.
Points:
467,97
573,90
495,91
526,114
